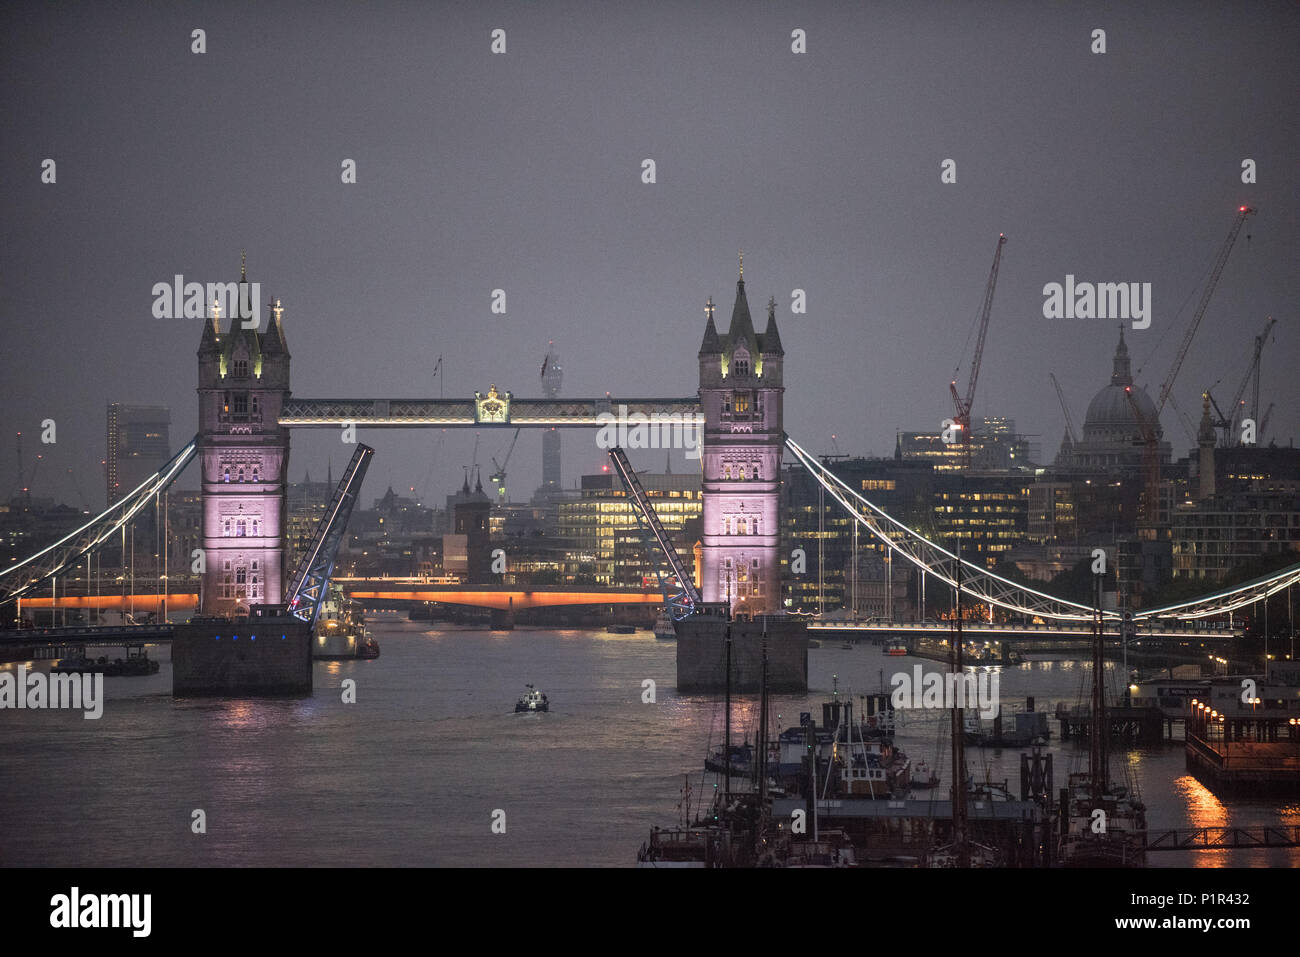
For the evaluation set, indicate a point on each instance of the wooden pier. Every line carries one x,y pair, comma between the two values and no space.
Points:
1244,752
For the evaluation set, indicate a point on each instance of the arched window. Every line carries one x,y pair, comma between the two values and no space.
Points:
726,471
742,473
226,532
239,528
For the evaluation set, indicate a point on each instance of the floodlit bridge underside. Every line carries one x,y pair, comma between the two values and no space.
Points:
491,596
984,586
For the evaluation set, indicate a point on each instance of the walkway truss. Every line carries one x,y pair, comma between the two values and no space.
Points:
28,575
982,585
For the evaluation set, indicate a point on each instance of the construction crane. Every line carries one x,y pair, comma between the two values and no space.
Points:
499,476
1150,449
1069,423
1263,424
25,481
963,406
1232,431
1222,422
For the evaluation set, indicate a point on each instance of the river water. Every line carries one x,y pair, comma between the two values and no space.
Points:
415,772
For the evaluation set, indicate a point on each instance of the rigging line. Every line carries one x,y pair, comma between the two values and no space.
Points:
939,571
1168,328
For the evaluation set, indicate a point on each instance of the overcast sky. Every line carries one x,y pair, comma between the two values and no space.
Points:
523,171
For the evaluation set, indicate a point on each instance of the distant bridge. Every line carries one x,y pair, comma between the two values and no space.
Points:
86,635
1014,632
495,596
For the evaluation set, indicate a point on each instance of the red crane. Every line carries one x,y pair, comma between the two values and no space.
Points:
963,406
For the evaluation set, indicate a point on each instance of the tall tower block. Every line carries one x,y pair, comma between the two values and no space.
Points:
741,392
552,377
244,457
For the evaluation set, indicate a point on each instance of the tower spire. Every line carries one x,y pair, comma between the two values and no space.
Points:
243,266
1122,373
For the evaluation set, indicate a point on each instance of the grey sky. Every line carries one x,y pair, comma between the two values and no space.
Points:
522,172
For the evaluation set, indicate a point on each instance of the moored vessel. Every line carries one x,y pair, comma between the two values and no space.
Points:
665,630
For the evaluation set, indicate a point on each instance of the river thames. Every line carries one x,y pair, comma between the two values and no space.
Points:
413,772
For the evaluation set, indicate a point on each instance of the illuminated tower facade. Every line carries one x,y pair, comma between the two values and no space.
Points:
244,456
740,395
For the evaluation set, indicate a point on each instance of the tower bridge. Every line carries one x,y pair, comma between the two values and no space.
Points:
247,411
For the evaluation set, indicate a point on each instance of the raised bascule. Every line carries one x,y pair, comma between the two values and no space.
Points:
246,412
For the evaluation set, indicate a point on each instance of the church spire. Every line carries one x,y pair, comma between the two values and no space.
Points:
1122,374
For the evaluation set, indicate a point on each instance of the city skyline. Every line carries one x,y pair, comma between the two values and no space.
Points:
509,172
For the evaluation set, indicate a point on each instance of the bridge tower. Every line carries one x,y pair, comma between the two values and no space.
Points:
243,454
741,391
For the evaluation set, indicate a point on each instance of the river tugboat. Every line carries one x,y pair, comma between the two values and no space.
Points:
533,701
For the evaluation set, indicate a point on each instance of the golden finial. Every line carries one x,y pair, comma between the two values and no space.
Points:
243,267
278,310
708,308
216,310
742,265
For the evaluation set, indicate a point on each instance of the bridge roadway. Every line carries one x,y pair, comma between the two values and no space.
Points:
86,635
462,413
1012,632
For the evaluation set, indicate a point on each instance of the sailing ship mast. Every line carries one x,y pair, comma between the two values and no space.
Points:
1098,770
726,743
960,845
